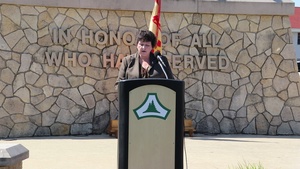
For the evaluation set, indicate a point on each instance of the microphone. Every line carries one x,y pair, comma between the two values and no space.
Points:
158,56
160,62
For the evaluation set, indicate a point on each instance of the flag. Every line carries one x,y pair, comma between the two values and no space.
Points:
155,25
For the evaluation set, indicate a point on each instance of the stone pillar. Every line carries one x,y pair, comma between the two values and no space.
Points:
12,155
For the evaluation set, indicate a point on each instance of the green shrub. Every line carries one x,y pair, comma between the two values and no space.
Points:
246,165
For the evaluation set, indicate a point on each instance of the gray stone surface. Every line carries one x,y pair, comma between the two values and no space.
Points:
13,105
24,129
284,7
257,93
12,154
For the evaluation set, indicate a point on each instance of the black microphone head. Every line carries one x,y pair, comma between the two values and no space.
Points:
157,53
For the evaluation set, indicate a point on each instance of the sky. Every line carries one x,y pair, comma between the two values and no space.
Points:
297,3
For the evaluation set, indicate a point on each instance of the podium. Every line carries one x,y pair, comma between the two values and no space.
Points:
151,127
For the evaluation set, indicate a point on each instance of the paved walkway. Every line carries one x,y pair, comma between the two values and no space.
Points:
203,152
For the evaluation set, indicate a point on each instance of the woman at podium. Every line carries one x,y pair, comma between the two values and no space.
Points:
144,63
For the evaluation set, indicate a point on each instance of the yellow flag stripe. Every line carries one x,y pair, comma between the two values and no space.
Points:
155,26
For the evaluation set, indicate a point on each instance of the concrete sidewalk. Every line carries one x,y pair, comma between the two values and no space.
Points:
202,152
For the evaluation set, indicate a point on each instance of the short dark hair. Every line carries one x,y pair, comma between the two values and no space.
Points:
147,36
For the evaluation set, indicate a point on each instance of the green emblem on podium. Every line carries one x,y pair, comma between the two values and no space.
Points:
151,107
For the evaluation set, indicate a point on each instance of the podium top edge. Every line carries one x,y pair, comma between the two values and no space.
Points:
173,84
149,79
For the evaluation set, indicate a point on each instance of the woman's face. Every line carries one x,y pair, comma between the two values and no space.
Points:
144,48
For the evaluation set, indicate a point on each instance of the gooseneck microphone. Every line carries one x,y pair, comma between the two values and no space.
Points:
160,62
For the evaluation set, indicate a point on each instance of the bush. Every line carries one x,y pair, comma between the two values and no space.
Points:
248,166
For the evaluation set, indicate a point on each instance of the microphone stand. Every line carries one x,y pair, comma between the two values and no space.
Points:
160,62
161,66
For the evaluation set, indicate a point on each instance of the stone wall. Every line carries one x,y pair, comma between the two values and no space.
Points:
257,93
261,7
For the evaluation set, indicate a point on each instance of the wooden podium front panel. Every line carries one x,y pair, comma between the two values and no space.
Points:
151,137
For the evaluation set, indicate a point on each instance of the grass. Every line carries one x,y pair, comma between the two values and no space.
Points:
246,165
